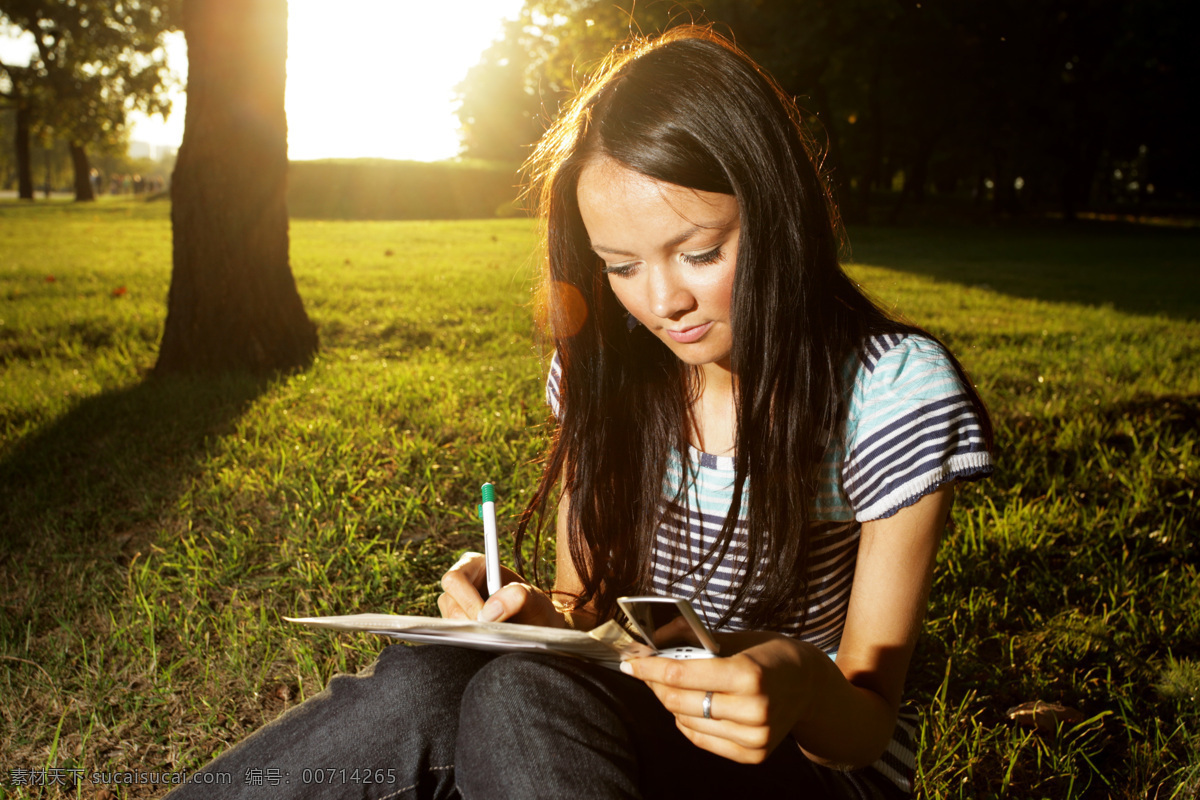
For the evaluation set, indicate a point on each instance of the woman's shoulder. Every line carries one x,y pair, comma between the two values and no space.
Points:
887,354
913,424
891,367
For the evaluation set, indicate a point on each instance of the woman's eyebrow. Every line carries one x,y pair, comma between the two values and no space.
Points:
675,241
612,251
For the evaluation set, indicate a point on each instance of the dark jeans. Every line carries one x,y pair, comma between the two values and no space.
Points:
448,722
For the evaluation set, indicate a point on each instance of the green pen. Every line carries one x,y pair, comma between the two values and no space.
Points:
491,545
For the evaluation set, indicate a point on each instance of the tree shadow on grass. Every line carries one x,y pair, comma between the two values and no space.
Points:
105,471
1133,268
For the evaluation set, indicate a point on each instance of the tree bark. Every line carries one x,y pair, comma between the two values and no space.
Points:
83,174
24,154
233,303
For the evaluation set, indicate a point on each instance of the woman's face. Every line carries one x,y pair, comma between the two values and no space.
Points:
670,254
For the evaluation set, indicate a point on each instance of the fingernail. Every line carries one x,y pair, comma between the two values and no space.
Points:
490,612
626,667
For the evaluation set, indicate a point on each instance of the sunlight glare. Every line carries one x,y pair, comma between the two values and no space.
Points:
375,79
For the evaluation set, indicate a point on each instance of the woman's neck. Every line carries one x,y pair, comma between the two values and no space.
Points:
712,419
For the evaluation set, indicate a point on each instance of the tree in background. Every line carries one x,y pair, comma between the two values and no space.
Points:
94,62
16,88
510,97
501,108
547,53
233,303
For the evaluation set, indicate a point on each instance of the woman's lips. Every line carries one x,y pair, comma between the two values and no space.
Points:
689,335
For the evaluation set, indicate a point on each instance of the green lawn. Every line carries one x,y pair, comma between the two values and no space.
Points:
152,533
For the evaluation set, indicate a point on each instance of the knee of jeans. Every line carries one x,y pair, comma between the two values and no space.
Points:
542,726
513,706
424,679
431,664
516,686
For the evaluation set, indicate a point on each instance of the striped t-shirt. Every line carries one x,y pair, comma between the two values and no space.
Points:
910,428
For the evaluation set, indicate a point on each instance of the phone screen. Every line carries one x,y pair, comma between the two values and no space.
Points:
667,622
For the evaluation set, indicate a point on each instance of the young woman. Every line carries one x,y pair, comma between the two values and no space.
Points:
737,425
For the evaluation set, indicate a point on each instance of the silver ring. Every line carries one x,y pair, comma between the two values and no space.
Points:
706,706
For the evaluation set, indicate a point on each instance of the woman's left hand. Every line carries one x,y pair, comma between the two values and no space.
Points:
758,693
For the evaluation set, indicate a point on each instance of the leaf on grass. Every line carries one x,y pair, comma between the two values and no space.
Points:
1044,717
50,279
117,292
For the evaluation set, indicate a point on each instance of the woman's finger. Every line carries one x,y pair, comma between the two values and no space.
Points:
507,602
463,581
749,710
469,568
734,675
723,747
749,737
449,607
520,602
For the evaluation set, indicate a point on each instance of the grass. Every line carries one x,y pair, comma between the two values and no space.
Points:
153,532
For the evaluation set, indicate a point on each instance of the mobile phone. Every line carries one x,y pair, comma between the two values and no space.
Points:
669,625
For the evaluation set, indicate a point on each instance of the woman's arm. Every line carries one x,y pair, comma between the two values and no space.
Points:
887,607
567,585
842,714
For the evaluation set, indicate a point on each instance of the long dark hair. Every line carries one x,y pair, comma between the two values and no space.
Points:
690,109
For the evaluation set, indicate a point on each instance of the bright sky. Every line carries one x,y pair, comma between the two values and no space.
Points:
374,79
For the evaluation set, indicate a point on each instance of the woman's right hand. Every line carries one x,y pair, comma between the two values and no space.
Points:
515,601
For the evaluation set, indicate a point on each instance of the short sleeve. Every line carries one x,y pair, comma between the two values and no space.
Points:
552,382
911,427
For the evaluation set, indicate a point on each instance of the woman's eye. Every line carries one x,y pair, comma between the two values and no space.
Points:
710,257
620,270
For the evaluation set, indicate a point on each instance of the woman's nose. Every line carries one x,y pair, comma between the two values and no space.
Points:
669,297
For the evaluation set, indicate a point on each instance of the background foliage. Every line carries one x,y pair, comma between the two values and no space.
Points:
1068,105
378,189
93,63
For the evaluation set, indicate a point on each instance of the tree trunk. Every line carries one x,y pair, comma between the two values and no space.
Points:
24,154
83,174
233,303
47,162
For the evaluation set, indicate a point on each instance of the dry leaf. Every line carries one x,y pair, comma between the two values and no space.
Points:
1043,716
